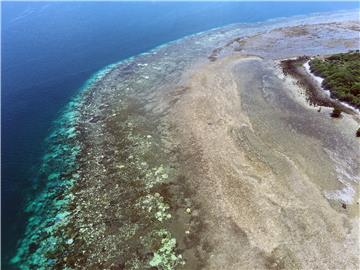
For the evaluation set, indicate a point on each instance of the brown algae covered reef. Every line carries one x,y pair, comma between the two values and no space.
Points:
117,189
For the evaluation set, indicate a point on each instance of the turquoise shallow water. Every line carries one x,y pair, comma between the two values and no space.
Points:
57,174
59,169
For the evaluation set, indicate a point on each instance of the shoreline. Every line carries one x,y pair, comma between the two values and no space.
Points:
328,92
315,93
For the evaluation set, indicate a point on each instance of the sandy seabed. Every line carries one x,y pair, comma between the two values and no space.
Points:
276,178
261,165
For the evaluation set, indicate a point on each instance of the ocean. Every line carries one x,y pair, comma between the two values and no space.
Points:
50,49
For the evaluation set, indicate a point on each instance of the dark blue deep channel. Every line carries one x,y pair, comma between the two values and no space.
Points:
50,49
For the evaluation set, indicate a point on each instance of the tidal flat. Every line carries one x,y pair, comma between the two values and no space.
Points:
203,154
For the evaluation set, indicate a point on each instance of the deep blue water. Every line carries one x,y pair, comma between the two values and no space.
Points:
50,49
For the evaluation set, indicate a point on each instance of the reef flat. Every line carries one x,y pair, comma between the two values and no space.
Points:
201,154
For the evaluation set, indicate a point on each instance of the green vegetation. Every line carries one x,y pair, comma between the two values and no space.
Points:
341,73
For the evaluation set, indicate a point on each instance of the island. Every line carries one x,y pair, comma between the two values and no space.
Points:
341,74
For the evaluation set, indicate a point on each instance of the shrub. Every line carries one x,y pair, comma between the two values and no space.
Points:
341,73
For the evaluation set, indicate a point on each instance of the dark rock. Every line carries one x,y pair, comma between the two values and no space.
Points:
33,247
336,113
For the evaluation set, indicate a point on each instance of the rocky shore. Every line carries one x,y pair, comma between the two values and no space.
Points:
315,93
